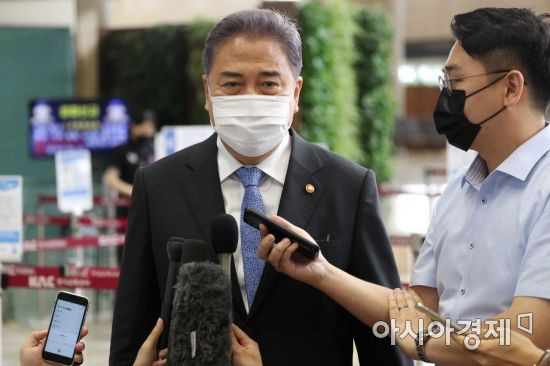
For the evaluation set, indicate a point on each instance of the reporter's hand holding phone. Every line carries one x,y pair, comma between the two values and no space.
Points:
30,353
283,257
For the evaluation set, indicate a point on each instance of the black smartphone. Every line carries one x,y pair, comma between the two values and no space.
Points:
306,247
68,317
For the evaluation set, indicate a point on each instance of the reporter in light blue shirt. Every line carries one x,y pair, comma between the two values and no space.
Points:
489,239
487,252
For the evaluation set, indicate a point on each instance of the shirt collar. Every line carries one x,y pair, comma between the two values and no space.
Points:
523,160
477,172
519,164
275,165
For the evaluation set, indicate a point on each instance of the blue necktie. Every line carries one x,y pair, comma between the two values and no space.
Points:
250,237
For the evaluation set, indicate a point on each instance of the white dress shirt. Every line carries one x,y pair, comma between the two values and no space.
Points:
271,188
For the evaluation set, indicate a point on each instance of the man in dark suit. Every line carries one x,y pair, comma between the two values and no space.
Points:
252,63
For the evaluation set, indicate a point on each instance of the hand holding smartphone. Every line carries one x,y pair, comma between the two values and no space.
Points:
65,326
306,247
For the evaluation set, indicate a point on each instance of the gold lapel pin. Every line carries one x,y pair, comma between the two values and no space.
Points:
310,188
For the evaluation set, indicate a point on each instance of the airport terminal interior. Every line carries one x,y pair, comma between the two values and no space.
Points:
76,76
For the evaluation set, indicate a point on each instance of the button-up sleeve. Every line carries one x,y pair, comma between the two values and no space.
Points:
534,270
425,268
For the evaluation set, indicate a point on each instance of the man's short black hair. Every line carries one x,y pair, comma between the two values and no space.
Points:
509,38
142,116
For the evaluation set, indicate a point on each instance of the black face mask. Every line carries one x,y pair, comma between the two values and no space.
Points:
450,119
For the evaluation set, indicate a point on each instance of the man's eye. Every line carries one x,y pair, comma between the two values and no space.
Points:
231,84
270,84
455,79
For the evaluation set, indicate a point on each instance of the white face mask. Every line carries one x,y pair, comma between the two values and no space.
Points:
251,124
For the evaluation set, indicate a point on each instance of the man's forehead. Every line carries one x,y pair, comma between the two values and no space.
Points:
238,56
458,60
451,67
237,74
251,46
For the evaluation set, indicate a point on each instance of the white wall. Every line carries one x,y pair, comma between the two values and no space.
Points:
119,14
430,19
38,13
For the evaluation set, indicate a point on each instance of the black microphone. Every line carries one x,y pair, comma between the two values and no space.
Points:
194,251
174,248
224,235
201,318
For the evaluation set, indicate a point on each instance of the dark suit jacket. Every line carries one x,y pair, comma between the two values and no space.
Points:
293,323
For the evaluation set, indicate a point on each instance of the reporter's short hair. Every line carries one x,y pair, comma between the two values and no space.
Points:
509,38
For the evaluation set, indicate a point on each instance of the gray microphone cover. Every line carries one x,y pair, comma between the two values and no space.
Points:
201,317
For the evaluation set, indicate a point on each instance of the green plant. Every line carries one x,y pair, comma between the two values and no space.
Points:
196,33
328,101
145,68
373,43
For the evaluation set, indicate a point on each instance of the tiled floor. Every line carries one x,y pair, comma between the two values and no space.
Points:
403,214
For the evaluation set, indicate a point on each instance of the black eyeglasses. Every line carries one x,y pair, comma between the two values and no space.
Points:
445,82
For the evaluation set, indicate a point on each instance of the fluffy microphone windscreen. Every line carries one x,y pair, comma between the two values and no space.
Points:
224,234
201,317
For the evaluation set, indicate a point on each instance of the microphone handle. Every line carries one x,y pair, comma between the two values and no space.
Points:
166,312
225,262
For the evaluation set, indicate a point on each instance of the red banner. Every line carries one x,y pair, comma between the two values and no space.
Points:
63,220
98,200
39,245
98,278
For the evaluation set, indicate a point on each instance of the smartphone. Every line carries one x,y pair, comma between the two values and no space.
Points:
435,316
67,320
306,247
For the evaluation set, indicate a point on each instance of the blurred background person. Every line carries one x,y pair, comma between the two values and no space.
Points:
137,153
126,159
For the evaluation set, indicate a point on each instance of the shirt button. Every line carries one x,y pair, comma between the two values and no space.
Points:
484,200
472,245
462,292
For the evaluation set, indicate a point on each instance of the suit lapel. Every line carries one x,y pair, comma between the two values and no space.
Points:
201,185
296,205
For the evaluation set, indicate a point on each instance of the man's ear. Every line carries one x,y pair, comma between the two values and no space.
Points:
514,87
207,101
206,93
297,90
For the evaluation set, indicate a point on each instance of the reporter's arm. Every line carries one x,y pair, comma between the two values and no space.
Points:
366,301
112,178
350,292
524,354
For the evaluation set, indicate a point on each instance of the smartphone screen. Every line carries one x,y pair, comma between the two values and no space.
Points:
64,331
